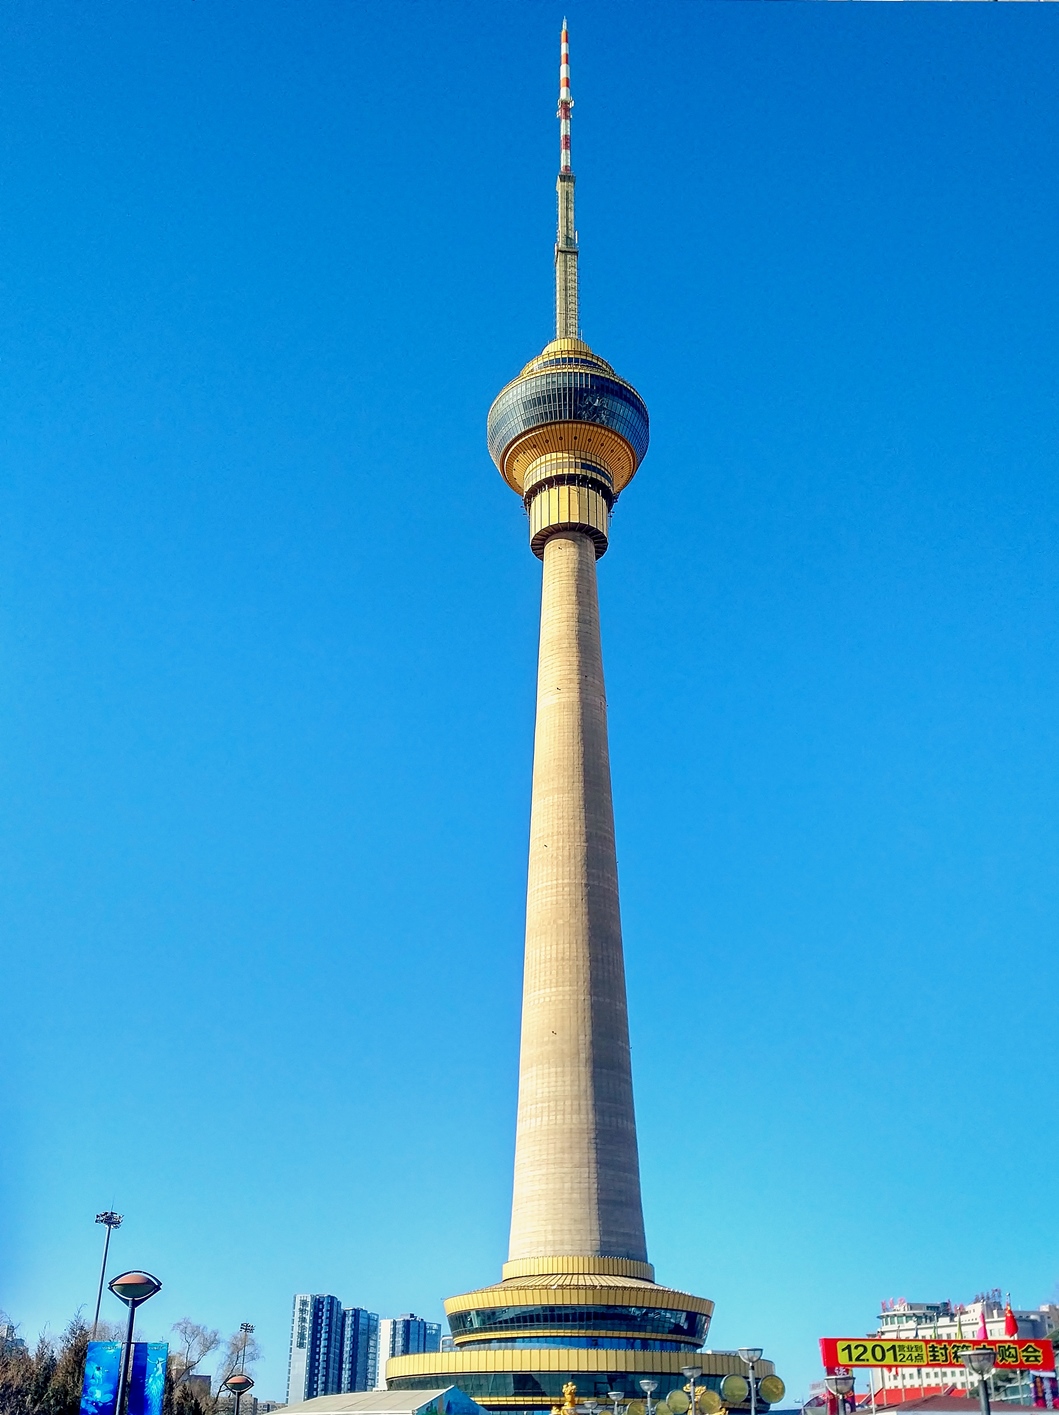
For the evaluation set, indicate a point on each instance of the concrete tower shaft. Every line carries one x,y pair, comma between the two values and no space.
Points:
577,1176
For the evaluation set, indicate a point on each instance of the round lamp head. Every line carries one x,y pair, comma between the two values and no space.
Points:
238,1383
750,1354
615,1395
734,1390
692,1372
980,1359
771,1389
134,1288
840,1385
648,1386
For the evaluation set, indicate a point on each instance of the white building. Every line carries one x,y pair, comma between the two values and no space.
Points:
901,1320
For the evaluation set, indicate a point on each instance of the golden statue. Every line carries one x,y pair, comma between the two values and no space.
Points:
569,1395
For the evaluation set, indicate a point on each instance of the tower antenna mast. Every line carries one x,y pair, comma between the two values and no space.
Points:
566,320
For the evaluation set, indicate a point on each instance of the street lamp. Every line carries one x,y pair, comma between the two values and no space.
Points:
238,1383
616,1396
750,1356
133,1289
692,1373
980,1360
840,1386
112,1221
648,1387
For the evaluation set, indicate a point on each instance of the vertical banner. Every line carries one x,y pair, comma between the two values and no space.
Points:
147,1377
99,1391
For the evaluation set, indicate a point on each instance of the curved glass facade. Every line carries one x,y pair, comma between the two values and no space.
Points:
646,1321
585,1343
568,395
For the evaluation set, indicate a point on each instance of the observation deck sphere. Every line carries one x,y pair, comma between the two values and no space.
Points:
568,384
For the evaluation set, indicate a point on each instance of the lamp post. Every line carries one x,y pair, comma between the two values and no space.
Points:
238,1383
840,1386
750,1356
133,1289
615,1396
649,1387
692,1373
980,1360
112,1221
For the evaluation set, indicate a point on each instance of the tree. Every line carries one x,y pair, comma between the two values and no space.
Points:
241,1351
196,1342
48,1379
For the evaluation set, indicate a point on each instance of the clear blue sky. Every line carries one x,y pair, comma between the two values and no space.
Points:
268,623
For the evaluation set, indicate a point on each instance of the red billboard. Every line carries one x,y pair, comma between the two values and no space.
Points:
1011,1355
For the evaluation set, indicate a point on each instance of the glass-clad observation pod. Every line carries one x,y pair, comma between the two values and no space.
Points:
568,435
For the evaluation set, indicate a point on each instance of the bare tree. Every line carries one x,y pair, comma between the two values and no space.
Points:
241,1351
196,1342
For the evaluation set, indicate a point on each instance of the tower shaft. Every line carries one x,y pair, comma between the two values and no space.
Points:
577,1180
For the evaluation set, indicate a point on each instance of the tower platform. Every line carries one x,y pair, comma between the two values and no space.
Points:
602,1325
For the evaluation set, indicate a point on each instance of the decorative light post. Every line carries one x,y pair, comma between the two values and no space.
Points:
750,1356
649,1387
980,1360
238,1383
133,1289
692,1373
112,1221
840,1386
616,1396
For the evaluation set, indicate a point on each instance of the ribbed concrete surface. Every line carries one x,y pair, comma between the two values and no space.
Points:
577,1179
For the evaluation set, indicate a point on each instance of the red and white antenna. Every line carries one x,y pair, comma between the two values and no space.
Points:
566,102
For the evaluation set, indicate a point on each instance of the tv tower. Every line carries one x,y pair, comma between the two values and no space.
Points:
578,1304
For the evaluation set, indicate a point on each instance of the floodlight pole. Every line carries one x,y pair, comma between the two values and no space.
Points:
112,1221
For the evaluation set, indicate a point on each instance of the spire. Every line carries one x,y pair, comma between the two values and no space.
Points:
566,102
566,320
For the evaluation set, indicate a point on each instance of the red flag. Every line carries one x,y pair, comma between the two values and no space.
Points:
982,1334
1011,1326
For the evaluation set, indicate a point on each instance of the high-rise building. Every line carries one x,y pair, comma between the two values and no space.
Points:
407,1335
360,1349
578,1303
315,1366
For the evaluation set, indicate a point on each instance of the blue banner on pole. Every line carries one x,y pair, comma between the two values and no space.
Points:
147,1377
99,1393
